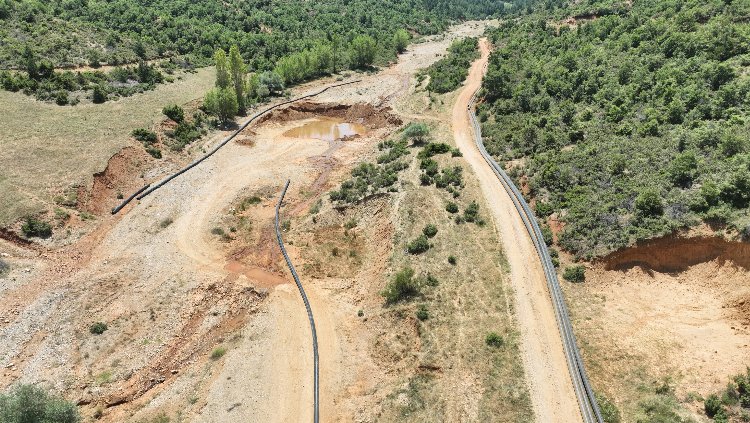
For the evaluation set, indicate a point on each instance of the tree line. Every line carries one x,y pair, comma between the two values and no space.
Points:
633,120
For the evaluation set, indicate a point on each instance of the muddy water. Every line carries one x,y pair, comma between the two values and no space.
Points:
326,129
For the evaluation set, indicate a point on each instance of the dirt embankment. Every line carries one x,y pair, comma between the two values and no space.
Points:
673,308
366,114
675,254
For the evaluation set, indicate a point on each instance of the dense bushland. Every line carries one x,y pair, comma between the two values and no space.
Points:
449,73
631,125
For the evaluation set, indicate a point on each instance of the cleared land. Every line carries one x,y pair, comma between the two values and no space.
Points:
203,325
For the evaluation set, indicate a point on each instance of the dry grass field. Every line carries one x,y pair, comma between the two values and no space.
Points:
45,148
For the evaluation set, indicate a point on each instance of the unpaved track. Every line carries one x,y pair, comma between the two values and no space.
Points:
545,366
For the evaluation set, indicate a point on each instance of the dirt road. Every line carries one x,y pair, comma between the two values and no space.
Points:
544,360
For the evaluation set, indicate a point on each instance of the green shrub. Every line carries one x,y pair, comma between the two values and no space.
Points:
418,246
649,203
403,286
32,404
451,207
99,94
417,132
34,227
98,328
471,214
174,112
422,313
712,405
144,135
609,410
575,273
494,340
154,152
218,352
431,280
61,98
452,260
432,149
430,230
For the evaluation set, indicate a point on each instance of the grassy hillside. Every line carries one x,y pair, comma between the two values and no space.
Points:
628,121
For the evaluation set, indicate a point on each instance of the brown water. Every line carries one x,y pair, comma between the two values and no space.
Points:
326,129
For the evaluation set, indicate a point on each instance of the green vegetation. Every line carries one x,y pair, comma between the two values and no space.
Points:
733,404
430,230
609,410
144,135
575,274
34,227
32,404
174,112
218,352
369,179
403,286
452,260
98,328
300,40
633,124
450,72
494,340
419,245
451,207
422,312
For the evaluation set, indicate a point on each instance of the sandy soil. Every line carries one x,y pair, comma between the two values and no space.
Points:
544,360
670,309
173,293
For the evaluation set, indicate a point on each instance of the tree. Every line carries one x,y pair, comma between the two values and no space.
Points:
401,40
30,62
363,51
237,70
31,404
683,169
272,81
223,79
323,58
222,103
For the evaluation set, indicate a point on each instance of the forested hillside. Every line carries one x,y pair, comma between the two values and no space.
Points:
628,120
77,32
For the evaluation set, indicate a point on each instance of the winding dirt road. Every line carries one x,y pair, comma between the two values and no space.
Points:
545,366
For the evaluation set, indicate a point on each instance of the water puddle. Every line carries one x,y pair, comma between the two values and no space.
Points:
326,129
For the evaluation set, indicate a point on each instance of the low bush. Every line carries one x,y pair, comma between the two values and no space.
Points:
471,214
144,135
417,132
422,313
98,328
712,405
430,230
451,207
452,260
494,340
99,95
418,246
430,280
432,149
34,227
174,112
575,273
154,152
32,404
403,286
218,352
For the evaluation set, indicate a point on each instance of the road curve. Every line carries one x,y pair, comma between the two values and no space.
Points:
550,355
316,365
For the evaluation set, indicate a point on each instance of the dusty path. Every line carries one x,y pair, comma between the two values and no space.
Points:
544,360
